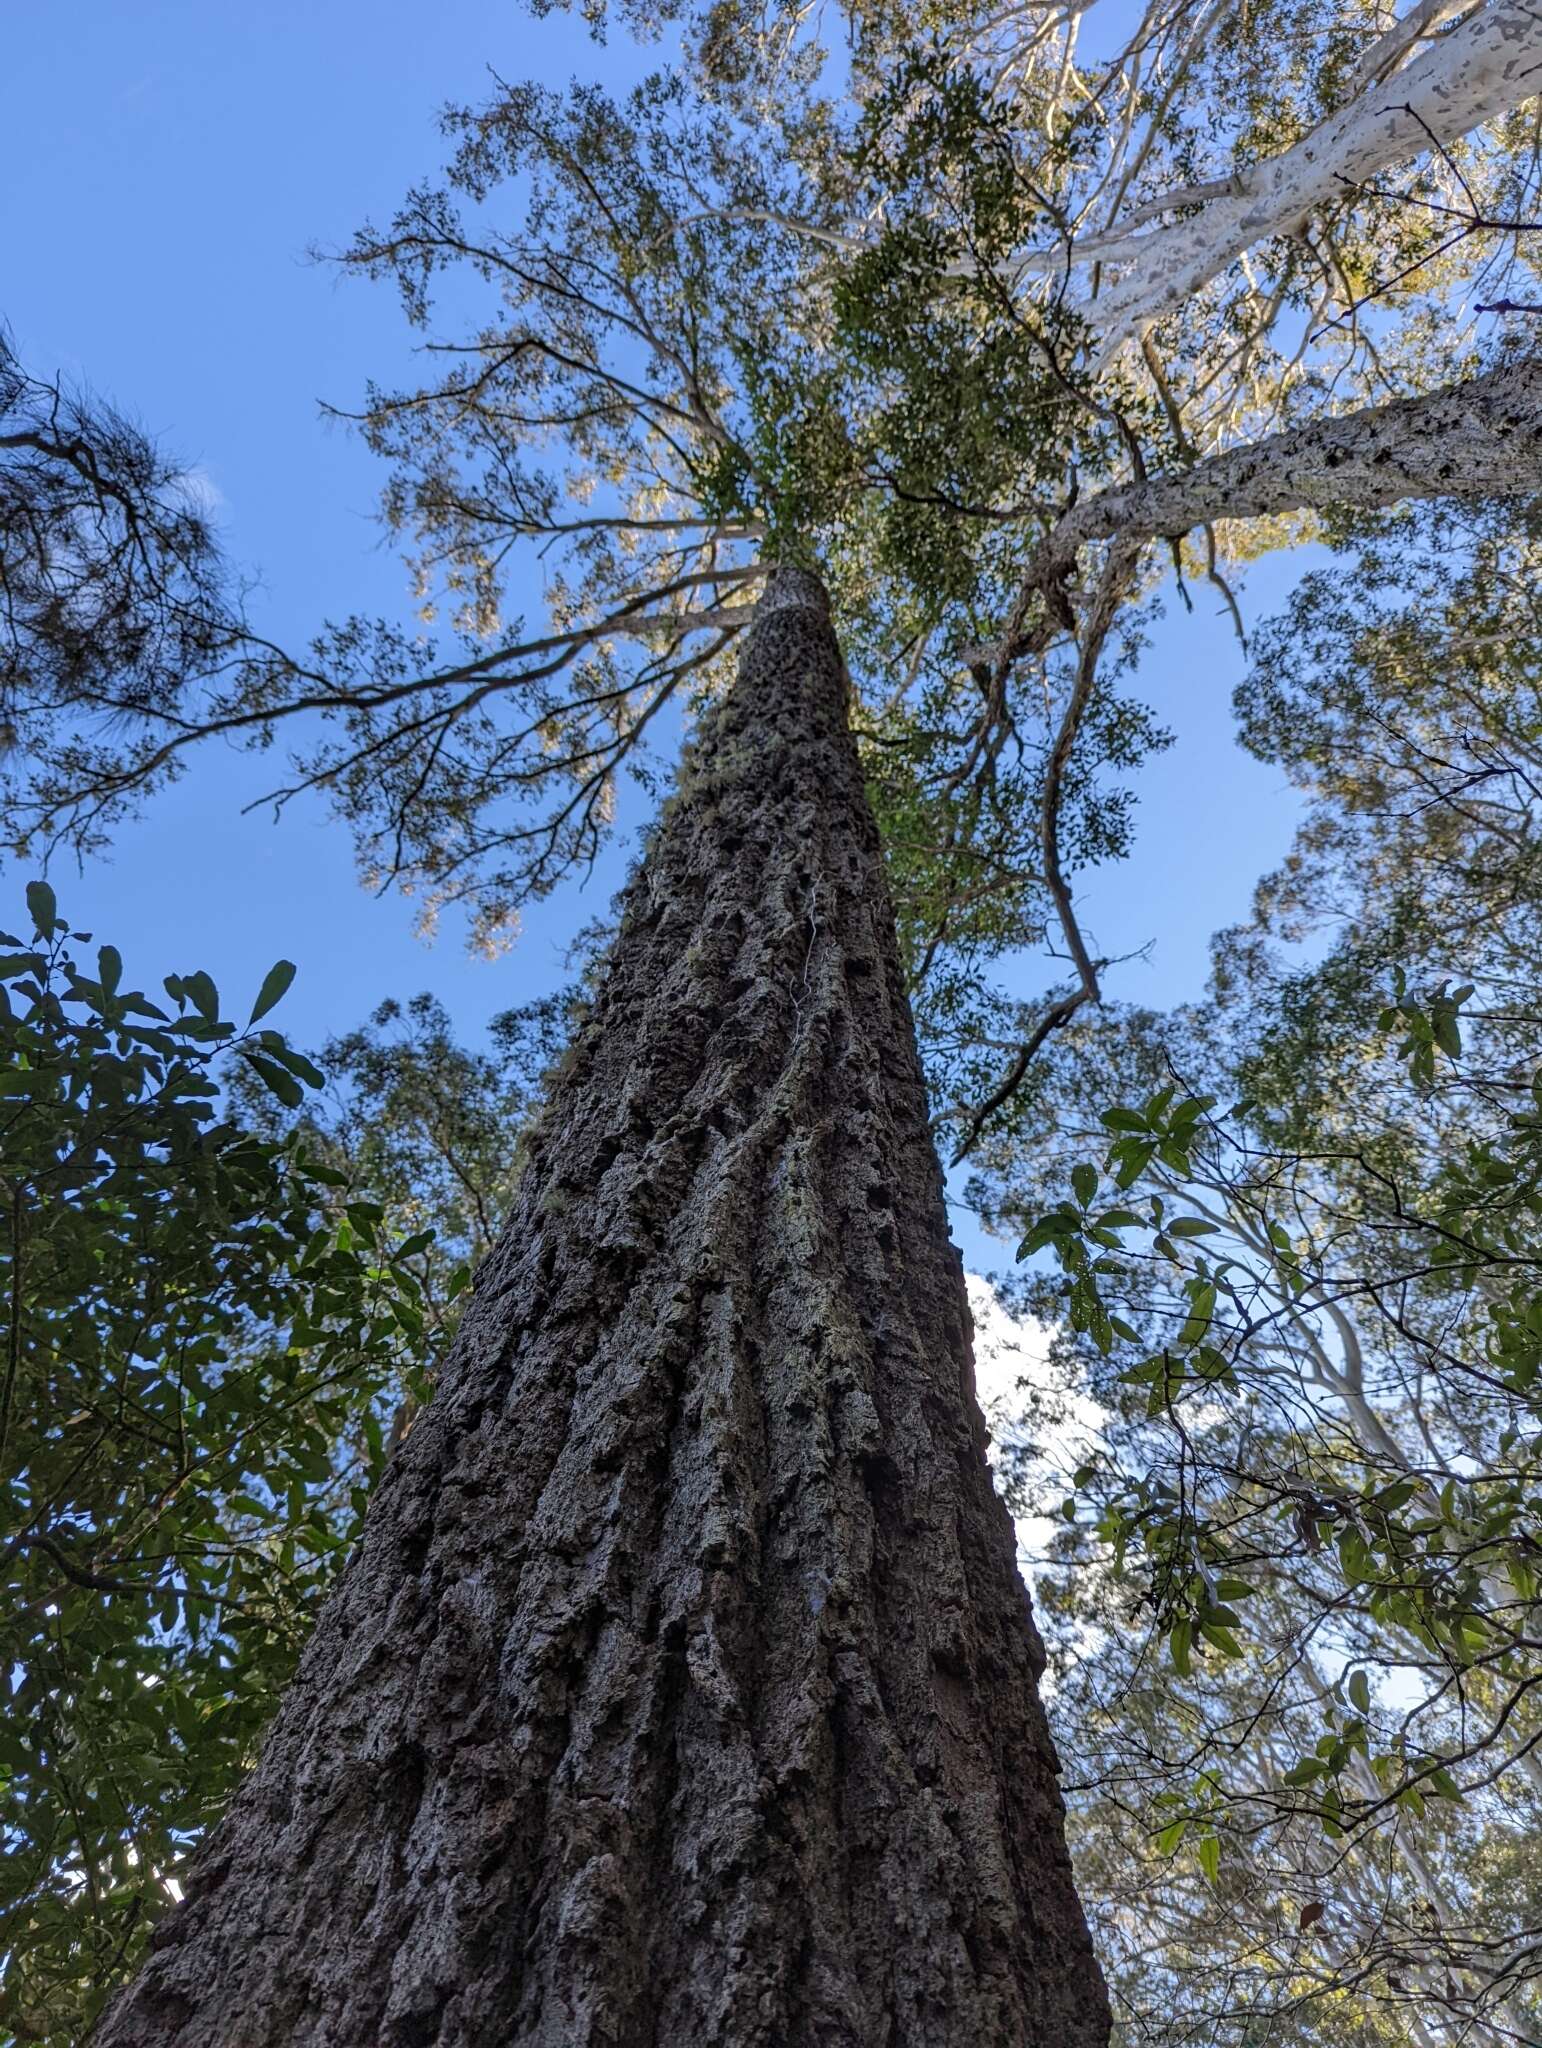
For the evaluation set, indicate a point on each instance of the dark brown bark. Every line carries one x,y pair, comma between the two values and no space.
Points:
682,1688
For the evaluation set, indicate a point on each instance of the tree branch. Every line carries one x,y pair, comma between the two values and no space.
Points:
1486,66
1477,439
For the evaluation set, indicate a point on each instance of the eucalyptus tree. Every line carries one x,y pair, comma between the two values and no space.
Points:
683,1681
1329,1434
954,362
728,341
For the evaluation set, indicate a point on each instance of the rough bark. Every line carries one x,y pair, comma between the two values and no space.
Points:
1478,439
682,1688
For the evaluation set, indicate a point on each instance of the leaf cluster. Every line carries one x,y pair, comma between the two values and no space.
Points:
199,1326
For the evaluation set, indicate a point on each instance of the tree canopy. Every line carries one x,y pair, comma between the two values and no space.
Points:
206,1330
1001,321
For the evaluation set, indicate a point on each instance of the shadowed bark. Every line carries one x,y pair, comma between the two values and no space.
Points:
682,1688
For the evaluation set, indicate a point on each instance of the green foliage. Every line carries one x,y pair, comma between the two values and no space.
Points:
1333,1460
430,1129
727,324
1400,691
967,402
203,1328
1445,1564
118,603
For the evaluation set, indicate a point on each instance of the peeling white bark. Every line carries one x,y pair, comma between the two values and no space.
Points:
1484,67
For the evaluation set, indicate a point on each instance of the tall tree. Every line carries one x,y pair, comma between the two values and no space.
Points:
682,1685
1313,1506
842,334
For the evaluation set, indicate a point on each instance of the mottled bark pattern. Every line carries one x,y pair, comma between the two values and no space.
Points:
1481,438
682,1689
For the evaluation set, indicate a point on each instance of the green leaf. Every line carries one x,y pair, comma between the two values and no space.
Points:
1179,1644
1133,1163
1191,1226
1084,1180
297,1064
1042,1234
1124,1120
275,986
44,907
203,995
1210,1857
109,968
1220,1635
274,1079
1201,1311
1360,1692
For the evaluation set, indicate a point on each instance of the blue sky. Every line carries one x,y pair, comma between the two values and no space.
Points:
164,169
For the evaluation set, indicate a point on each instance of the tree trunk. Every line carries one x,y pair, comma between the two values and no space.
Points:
682,1687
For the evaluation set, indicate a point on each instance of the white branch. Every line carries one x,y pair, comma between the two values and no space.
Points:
1484,67
1416,25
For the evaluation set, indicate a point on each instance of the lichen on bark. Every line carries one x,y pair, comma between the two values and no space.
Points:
683,1686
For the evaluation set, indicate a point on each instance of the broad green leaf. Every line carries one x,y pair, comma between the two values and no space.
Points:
275,986
1178,1643
1124,1120
274,1078
44,907
203,995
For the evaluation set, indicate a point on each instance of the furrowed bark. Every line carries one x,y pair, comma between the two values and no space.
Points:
682,1687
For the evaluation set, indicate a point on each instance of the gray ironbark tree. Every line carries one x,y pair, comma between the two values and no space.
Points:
683,1686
